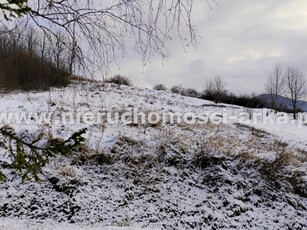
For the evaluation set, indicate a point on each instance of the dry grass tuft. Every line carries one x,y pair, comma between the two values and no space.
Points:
67,172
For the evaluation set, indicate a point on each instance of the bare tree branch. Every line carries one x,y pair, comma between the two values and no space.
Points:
274,86
296,86
100,31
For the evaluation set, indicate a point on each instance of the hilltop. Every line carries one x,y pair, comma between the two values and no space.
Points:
284,102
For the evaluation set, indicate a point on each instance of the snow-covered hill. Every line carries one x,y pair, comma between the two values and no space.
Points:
157,176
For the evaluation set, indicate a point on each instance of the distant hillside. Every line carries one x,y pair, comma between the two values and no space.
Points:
283,101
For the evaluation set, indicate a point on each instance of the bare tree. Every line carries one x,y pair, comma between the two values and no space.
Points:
296,87
28,60
99,31
215,88
274,86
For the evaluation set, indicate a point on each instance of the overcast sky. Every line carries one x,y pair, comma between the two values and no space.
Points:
242,41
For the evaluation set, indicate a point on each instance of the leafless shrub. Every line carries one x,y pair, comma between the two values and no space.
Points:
160,87
215,89
190,92
177,89
119,80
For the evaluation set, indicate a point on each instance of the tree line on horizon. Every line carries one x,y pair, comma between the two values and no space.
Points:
290,83
30,61
215,90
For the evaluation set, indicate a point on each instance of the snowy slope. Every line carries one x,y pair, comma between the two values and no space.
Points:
165,176
16,224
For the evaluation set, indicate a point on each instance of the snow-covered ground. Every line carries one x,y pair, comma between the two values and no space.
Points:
17,224
164,176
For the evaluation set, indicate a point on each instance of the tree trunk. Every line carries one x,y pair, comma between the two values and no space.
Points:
294,112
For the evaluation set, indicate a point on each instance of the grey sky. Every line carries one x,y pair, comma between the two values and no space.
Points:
242,41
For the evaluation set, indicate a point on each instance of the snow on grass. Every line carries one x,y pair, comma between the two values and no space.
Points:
16,224
164,176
